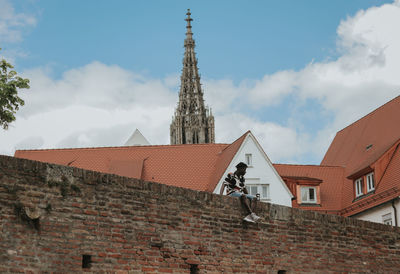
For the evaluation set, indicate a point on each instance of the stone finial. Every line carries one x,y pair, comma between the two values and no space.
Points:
188,26
188,19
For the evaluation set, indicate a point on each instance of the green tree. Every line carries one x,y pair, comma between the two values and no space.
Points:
9,99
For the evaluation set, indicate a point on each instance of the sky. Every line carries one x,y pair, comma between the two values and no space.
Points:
293,72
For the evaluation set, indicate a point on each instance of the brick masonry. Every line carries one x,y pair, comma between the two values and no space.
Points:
50,216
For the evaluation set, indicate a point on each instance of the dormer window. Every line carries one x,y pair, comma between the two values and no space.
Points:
307,190
359,187
308,195
364,185
370,182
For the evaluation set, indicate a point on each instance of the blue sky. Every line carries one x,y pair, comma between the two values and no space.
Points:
293,72
235,39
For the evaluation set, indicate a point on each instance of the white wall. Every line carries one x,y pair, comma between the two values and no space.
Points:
375,214
261,170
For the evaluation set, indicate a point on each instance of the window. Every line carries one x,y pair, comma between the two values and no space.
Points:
308,195
263,190
253,190
359,187
387,219
249,159
370,182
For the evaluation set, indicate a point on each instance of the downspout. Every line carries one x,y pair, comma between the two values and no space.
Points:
395,212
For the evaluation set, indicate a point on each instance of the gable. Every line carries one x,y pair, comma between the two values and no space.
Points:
137,139
260,172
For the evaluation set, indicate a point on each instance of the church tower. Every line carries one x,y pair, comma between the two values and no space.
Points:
192,123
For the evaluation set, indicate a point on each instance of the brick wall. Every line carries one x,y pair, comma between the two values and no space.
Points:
51,216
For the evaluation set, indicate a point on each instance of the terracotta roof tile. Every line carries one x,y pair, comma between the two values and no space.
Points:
365,140
360,146
195,166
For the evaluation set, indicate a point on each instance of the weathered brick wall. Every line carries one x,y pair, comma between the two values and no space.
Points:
143,227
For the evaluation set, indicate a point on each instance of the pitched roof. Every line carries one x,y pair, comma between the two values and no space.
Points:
362,146
331,186
195,166
364,141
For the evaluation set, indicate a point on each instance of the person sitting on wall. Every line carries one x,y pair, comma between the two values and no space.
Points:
234,182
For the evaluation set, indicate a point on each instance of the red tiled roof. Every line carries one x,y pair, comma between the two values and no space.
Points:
331,186
196,166
362,146
380,128
371,201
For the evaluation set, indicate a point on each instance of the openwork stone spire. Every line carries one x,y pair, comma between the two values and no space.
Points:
192,123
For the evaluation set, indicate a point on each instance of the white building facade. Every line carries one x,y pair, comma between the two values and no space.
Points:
386,213
261,177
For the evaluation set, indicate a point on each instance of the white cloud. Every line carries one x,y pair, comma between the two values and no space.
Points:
95,85
367,68
95,105
31,142
12,24
221,94
273,88
279,142
100,105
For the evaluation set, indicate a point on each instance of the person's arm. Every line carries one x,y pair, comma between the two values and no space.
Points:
222,189
228,180
242,185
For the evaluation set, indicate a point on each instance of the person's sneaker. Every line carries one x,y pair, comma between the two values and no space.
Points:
249,219
255,217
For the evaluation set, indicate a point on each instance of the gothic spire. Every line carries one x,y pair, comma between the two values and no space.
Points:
188,26
191,123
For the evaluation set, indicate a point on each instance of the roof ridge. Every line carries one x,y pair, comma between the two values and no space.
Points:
120,147
238,139
306,165
370,113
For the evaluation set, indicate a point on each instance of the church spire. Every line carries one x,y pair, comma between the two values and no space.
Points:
188,26
192,122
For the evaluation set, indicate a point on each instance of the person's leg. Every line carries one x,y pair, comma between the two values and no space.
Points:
244,200
245,203
251,201
253,205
